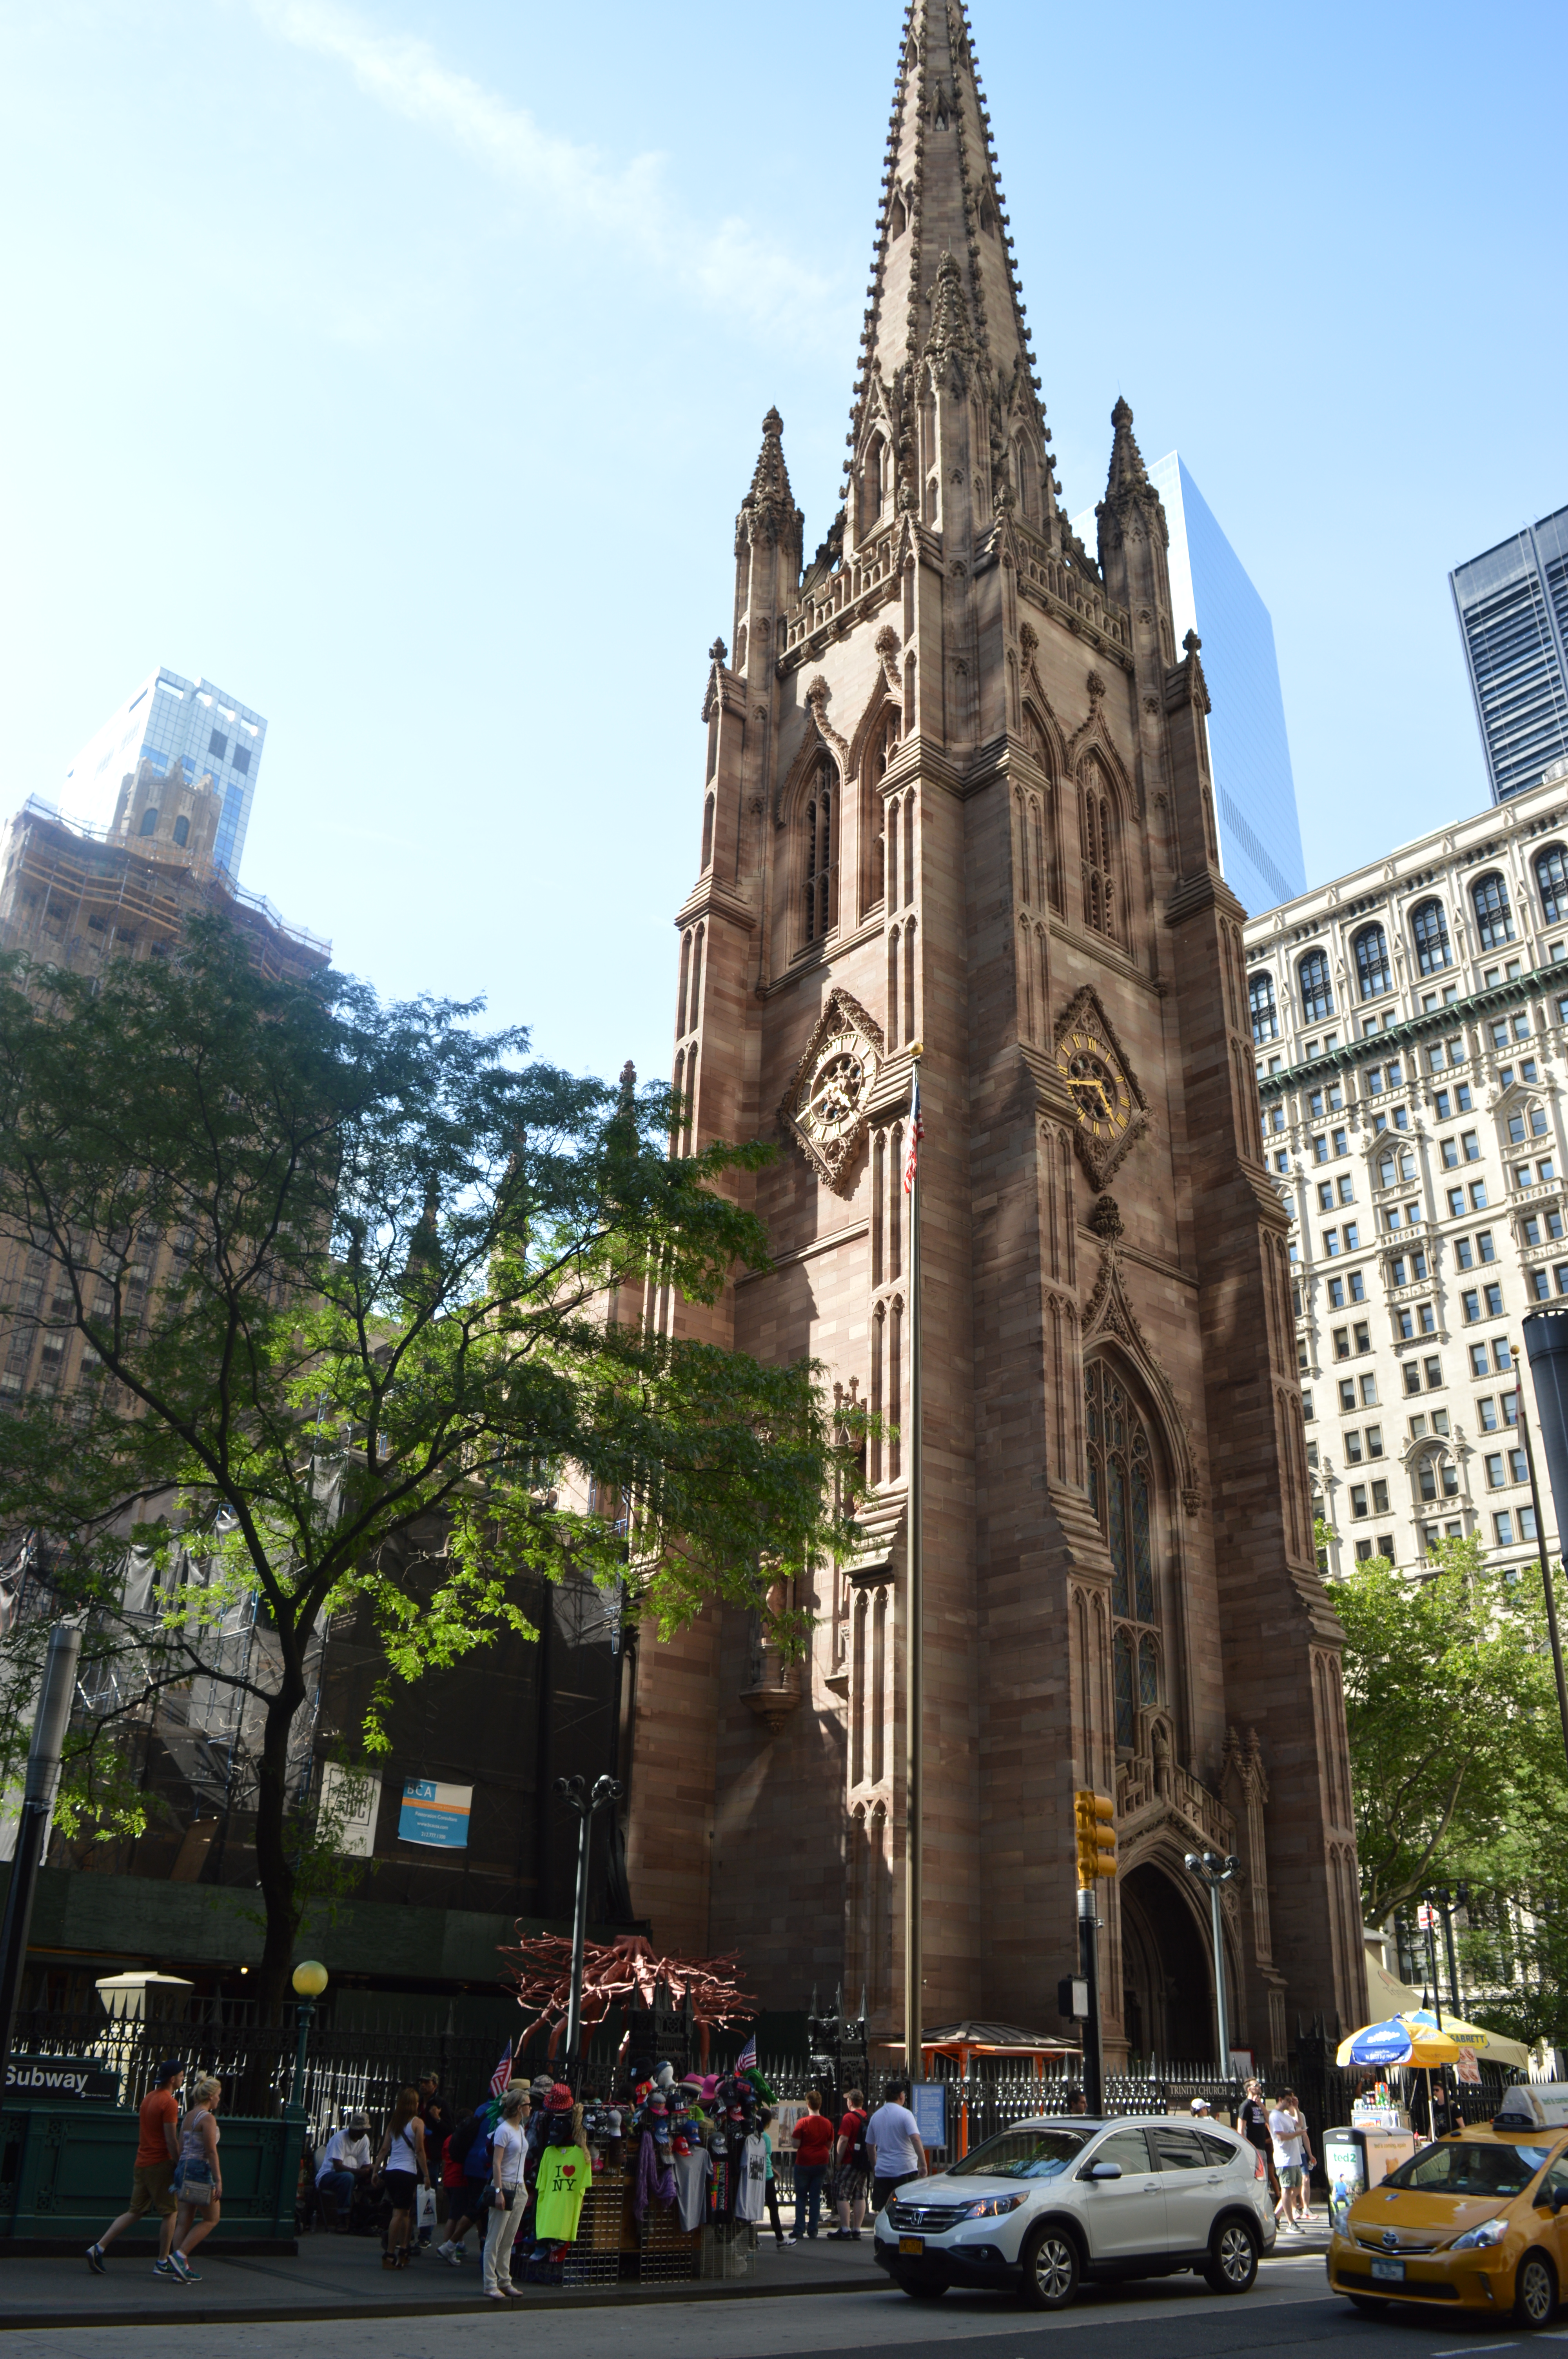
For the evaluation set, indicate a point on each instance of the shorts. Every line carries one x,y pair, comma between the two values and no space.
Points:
850,2186
1291,2174
400,2186
150,2184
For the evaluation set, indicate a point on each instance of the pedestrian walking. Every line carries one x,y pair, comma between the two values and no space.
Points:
1252,2121
765,2123
851,2180
152,2173
1293,2158
893,2140
504,2197
401,2161
197,2180
813,2152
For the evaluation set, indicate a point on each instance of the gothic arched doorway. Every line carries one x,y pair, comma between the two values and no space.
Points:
1167,1984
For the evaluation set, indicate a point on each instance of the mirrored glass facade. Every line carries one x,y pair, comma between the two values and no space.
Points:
1255,789
1512,604
169,720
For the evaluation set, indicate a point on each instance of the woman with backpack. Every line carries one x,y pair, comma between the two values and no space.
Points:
852,2179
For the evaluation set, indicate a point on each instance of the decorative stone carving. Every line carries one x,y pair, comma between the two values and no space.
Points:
1113,1112
823,1107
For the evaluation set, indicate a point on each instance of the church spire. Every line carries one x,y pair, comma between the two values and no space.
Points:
1127,468
942,205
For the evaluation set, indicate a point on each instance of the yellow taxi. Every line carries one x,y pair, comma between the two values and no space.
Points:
1475,2221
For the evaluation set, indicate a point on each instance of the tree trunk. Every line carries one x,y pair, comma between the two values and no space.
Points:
273,1866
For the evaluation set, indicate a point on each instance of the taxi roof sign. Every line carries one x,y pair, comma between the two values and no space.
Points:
1536,2105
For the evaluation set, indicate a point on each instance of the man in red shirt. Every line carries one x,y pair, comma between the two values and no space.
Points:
157,2149
813,2150
849,2187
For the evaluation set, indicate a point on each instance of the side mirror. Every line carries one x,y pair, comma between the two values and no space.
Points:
1105,2170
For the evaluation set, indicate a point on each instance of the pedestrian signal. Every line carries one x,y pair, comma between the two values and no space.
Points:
1094,1815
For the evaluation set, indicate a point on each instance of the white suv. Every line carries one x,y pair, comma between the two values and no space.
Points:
1044,2204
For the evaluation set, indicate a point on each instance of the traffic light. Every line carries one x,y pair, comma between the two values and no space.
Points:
1093,1814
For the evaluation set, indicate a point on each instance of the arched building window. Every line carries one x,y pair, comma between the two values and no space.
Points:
1428,931
149,821
1371,948
182,829
819,852
1552,883
1494,918
1096,829
1122,1494
873,810
1317,991
1260,998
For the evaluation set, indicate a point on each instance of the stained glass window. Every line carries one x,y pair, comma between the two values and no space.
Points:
1122,1493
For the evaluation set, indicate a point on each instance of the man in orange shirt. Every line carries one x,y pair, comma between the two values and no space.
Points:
157,2150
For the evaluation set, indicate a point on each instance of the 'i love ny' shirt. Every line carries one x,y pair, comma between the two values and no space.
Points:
564,2175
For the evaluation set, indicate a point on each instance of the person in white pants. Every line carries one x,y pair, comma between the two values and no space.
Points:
508,2198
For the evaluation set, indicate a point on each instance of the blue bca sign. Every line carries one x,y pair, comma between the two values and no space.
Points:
435,1814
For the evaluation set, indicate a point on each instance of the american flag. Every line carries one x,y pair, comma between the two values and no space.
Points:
501,2074
917,1133
746,2060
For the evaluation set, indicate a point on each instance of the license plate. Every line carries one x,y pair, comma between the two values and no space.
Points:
915,2245
1388,2272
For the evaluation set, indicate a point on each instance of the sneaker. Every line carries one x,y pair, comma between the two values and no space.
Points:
182,2269
162,2270
95,2260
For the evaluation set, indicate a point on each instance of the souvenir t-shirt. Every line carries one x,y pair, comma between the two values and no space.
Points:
565,2174
752,2178
890,2133
160,2105
813,2139
692,2172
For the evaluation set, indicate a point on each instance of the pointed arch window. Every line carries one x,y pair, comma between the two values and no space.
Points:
149,821
1494,918
1101,913
820,851
1428,931
875,816
1371,947
1122,1493
1552,883
182,831
1317,991
1260,999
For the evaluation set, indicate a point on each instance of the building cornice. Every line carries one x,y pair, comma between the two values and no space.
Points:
1374,1046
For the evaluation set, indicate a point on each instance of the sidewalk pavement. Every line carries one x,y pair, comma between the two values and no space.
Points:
342,2277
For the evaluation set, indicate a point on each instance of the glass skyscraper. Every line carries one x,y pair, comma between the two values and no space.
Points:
1255,788
1512,603
165,721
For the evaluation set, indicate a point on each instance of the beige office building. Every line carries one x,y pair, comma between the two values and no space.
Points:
1410,1024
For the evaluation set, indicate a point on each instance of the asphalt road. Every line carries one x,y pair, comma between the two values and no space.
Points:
1287,2314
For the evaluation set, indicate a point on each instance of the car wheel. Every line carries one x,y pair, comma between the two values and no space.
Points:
920,2288
1232,2259
1050,2269
1368,2304
1535,2290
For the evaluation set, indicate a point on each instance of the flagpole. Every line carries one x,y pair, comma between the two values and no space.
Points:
914,1596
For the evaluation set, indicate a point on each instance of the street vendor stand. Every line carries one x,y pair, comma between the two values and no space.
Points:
964,2043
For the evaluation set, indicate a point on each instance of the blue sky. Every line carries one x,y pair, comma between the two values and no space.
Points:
401,367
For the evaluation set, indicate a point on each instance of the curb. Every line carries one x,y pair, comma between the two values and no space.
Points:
464,2306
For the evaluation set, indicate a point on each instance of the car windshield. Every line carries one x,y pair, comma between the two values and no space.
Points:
1467,2169
1020,2154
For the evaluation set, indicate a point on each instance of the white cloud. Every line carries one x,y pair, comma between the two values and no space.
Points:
724,263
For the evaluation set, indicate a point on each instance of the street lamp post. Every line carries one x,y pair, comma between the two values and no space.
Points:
1210,1868
309,1982
573,1790
55,1693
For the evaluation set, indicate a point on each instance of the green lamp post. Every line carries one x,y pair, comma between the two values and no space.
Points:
309,1982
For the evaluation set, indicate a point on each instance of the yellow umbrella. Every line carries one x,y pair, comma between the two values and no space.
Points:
1403,2039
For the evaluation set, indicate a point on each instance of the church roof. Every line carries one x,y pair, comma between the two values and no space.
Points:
941,205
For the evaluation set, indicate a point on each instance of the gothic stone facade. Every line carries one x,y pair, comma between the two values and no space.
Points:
956,793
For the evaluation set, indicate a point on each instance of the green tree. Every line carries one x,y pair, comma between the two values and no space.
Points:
1451,1711
407,1293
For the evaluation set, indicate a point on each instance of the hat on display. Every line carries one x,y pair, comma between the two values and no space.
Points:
560,2099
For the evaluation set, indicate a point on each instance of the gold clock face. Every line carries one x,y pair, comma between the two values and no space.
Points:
1093,1073
836,1087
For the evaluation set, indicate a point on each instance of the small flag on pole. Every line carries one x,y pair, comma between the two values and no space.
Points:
501,2074
917,1133
747,2059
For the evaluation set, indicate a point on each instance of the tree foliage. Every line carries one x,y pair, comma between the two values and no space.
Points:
405,1298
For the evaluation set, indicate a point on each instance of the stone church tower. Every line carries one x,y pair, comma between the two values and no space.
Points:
957,792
